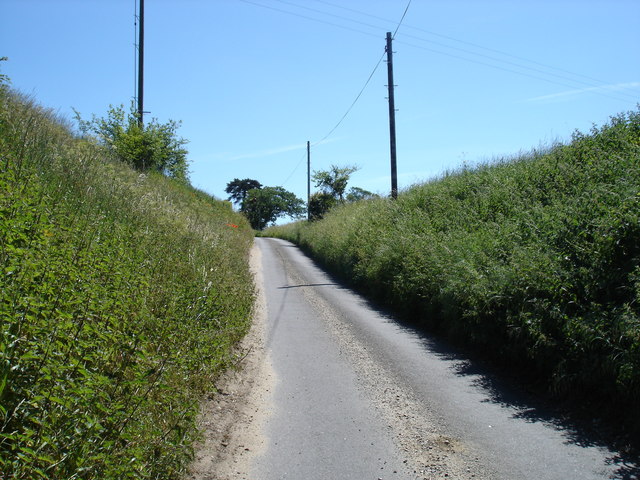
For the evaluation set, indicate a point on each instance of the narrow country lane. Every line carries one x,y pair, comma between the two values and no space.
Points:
358,396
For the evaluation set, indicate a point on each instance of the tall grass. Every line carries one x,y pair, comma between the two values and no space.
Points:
121,296
534,260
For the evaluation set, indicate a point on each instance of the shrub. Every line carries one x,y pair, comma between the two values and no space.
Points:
149,147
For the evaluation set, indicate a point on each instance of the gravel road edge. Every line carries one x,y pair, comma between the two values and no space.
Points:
232,419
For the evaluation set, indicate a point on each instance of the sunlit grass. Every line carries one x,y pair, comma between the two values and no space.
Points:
121,296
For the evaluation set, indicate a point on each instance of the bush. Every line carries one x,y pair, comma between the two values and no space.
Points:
149,147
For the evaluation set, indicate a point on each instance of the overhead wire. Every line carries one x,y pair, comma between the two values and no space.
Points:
579,83
507,62
353,103
505,65
306,17
510,70
269,7
475,45
401,19
294,169
322,12
366,83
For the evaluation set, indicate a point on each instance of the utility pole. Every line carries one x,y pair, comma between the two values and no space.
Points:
392,120
308,180
141,65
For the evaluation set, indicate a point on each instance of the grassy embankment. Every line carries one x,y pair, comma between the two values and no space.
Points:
121,296
533,260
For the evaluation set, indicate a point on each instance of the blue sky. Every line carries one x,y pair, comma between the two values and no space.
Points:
253,81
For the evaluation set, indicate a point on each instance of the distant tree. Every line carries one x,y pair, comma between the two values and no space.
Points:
238,190
153,146
263,206
4,79
355,194
5,82
333,184
319,204
334,181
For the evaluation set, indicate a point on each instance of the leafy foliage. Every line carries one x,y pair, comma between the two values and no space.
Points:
334,181
535,260
333,184
356,194
4,79
121,295
238,190
152,147
319,204
265,205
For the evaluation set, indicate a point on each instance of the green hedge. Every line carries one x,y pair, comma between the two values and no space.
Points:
121,296
534,260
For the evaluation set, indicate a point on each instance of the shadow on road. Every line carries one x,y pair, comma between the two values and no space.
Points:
508,390
503,387
310,285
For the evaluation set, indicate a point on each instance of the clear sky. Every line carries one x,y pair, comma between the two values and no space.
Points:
253,80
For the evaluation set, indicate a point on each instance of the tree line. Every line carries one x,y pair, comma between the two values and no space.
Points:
154,146
264,205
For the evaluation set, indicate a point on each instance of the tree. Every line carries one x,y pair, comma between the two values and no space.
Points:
319,204
334,181
152,146
356,194
238,190
4,79
263,206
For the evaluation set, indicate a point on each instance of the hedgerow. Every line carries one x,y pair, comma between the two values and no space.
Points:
534,260
121,296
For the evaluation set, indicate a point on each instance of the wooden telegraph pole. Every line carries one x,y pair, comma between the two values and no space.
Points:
392,120
308,180
141,65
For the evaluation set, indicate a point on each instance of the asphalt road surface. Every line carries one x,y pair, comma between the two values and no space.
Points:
359,396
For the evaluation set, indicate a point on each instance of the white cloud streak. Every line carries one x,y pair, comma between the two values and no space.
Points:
613,88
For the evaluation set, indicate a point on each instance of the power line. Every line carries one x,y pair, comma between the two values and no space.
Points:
294,169
401,20
339,121
352,104
509,70
500,52
306,17
375,68
507,62
599,82
516,67
322,12
365,83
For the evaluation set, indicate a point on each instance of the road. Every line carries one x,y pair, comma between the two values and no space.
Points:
359,396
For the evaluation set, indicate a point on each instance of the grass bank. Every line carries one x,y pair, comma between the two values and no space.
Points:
121,296
533,260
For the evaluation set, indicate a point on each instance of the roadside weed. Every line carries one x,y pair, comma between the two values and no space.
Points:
121,296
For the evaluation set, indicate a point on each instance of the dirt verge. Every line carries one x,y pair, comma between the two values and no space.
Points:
232,419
